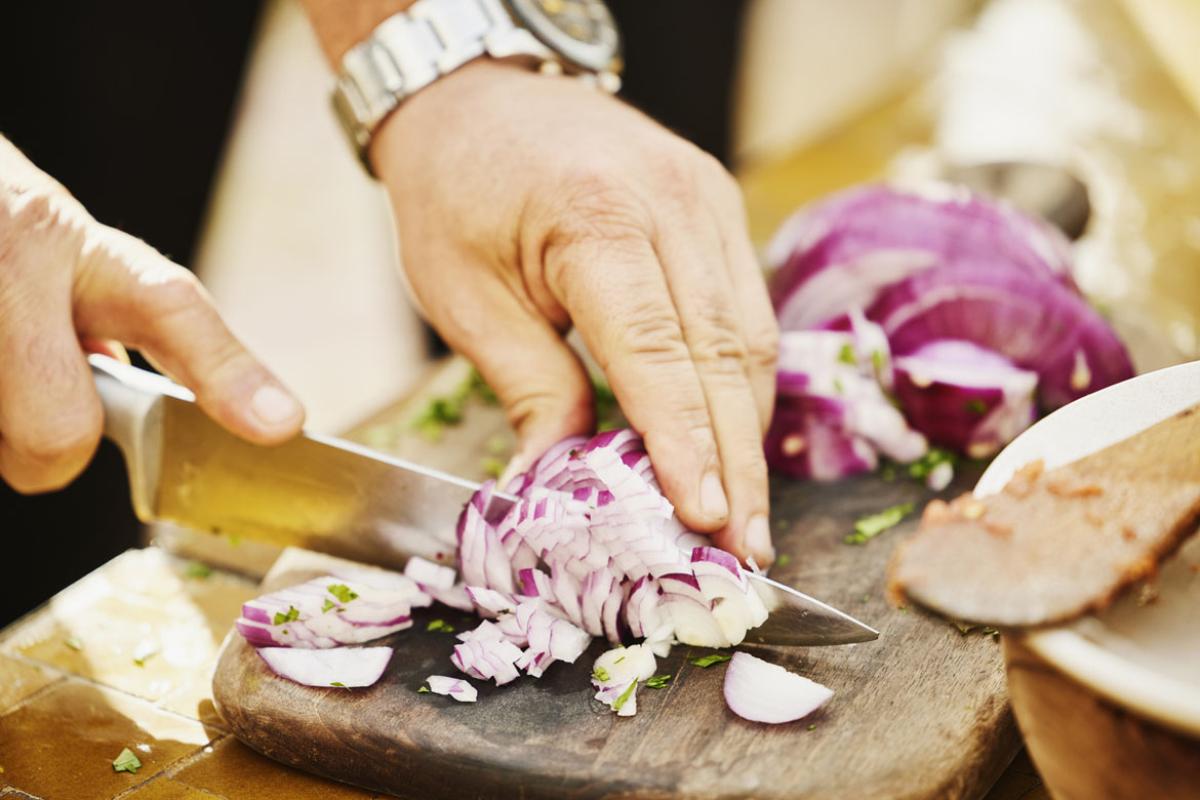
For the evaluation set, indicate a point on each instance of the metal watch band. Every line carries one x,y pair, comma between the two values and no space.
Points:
410,50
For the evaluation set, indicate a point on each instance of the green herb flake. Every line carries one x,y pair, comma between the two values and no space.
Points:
871,526
127,762
601,675
423,690
73,644
619,660
977,407
659,681
625,695
197,571
342,592
783,560
812,726
440,625
704,662
888,472
292,615
920,469
328,606
846,354
878,360
338,685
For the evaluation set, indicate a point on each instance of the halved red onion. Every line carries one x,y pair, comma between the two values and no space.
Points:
460,690
924,266
342,667
763,692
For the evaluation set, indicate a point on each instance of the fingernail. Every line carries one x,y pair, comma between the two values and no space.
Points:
758,540
273,406
712,497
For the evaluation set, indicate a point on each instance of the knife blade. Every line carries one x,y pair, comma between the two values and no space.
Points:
333,495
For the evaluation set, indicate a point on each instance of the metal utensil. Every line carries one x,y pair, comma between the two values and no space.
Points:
332,495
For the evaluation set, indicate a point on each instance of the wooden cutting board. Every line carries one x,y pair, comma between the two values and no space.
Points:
920,713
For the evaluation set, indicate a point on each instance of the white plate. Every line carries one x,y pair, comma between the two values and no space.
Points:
1145,658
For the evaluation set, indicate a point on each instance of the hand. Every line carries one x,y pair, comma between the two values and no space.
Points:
68,285
526,204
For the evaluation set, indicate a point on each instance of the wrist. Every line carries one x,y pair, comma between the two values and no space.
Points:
341,24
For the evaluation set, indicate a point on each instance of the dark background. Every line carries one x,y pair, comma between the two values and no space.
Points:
128,103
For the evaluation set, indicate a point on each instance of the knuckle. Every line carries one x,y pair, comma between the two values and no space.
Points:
61,439
597,204
763,348
650,333
717,345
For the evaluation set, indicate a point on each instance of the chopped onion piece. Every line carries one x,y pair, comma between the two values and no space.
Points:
460,690
763,692
616,674
342,667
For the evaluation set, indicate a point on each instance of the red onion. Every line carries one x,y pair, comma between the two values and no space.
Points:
342,667
763,692
460,690
924,268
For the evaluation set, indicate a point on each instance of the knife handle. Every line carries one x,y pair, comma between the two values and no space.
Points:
132,400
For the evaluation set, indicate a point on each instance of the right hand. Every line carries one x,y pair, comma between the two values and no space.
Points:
69,285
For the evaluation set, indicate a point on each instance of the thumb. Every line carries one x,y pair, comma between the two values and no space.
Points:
125,290
538,379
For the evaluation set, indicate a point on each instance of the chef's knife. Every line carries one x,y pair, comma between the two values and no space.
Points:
331,495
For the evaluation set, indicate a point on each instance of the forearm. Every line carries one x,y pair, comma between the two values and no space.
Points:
341,24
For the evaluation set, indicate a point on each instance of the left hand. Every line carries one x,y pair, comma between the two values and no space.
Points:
528,203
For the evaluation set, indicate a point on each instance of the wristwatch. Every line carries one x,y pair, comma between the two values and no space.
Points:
412,49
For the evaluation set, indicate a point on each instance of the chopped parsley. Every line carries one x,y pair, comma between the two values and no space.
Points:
342,592
966,629
608,412
127,762
625,695
73,644
448,409
871,526
197,571
976,406
878,360
440,625
846,354
292,615
328,606
423,690
783,560
658,681
338,684
491,466
704,662
601,674
927,463
812,726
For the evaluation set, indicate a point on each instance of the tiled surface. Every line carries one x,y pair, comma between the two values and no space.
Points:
164,788
233,770
60,744
19,680
72,695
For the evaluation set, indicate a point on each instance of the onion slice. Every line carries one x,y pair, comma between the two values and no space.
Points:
460,690
763,692
341,667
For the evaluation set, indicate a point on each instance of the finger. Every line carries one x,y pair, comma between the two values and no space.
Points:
50,416
615,292
126,290
759,327
698,279
539,381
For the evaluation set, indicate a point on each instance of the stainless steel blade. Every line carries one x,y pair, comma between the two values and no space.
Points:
797,619
314,491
